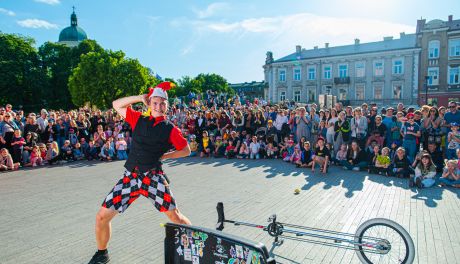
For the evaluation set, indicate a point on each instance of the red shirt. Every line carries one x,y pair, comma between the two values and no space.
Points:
175,138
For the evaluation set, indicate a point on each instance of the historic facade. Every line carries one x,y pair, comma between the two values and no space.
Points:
439,61
383,72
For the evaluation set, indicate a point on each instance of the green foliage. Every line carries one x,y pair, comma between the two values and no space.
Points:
101,77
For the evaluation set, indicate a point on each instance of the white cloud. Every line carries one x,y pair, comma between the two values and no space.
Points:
7,12
49,2
36,23
210,10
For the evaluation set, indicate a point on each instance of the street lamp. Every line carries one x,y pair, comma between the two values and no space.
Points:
426,89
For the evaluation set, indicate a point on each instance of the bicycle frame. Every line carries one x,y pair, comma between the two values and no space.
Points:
340,239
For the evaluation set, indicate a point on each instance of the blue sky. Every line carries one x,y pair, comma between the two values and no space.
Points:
230,38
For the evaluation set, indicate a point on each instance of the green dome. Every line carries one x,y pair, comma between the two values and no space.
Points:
74,32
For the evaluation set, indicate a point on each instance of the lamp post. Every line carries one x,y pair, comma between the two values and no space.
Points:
426,89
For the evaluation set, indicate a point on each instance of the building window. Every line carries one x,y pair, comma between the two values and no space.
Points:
311,73
378,68
297,74
327,89
397,91
454,47
359,89
433,49
433,73
378,92
343,70
283,96
360,69
453,75
282,75
311,95
398,66
432,101
297,96
342,94
327,72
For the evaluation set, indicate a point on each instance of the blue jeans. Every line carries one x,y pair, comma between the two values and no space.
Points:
410,146
426,182
122,155
449,182
350,166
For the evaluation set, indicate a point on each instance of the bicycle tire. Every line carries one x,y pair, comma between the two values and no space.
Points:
360,234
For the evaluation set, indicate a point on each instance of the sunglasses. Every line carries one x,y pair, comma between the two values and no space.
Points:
452,106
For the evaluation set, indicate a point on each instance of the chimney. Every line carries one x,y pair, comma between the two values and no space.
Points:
387,38
298,49
326,45
450,18
315,47
402,35
356,41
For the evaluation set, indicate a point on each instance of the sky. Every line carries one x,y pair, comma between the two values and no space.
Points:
229,38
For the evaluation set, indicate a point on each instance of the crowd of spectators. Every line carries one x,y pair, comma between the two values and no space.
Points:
421,144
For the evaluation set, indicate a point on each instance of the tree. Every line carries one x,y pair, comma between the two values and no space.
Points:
22,76
103,76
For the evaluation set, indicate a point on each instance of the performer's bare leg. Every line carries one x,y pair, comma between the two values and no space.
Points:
103,227
177,217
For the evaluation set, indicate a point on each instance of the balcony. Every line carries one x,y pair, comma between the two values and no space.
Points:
342,80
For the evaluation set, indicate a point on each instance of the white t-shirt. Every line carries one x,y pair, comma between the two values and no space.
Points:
331,122
254,147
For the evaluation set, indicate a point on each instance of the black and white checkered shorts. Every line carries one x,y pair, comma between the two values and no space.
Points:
151,184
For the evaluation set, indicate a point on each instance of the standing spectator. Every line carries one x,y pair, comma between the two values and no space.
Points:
17,144
341,131
42,122
410,132
432,125
8,131
330,126
314,123
280,120
453,139
453,116
27,148
302,129
359,128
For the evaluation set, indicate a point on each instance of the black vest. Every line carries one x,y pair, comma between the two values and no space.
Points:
148,144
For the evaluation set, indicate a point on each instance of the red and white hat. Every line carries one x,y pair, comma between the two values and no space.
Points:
160,90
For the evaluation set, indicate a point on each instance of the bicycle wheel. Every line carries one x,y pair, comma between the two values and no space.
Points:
381,240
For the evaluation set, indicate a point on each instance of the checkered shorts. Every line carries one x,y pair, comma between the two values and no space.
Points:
151,184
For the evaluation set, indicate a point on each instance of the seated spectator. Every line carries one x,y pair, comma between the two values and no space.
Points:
450,176
356,158
17,144
35,157
29,143
52,154
375,137
6,161
322,157
43,151
219,148
393,148
436,155
244,151
206,145
193,146
77,152
401,165
296,156
254,148
91,152
230,150
271,150
121,146
66,151
289,150
383,162
107,152
83,145
306,158
425,173
341,154
372,159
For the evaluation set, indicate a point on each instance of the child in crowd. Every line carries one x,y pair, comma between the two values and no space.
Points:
66,150
254,148
77,153
52,155
425,173
121,147
244,151
453,139
219,148
341,154
206,145
91,152
230,150
296,156
436,156
322,156
6,161
383,161
289,150
306,158
401,165
373,160
393,149
35,157
193,146
107,152
450,176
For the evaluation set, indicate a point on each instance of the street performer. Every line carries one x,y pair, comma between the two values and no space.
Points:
153,136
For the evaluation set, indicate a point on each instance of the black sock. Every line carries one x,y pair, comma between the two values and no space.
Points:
104,251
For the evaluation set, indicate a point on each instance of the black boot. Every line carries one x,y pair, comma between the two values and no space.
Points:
100,257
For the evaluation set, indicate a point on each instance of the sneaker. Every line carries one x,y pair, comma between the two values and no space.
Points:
356,168
100,258
418,182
